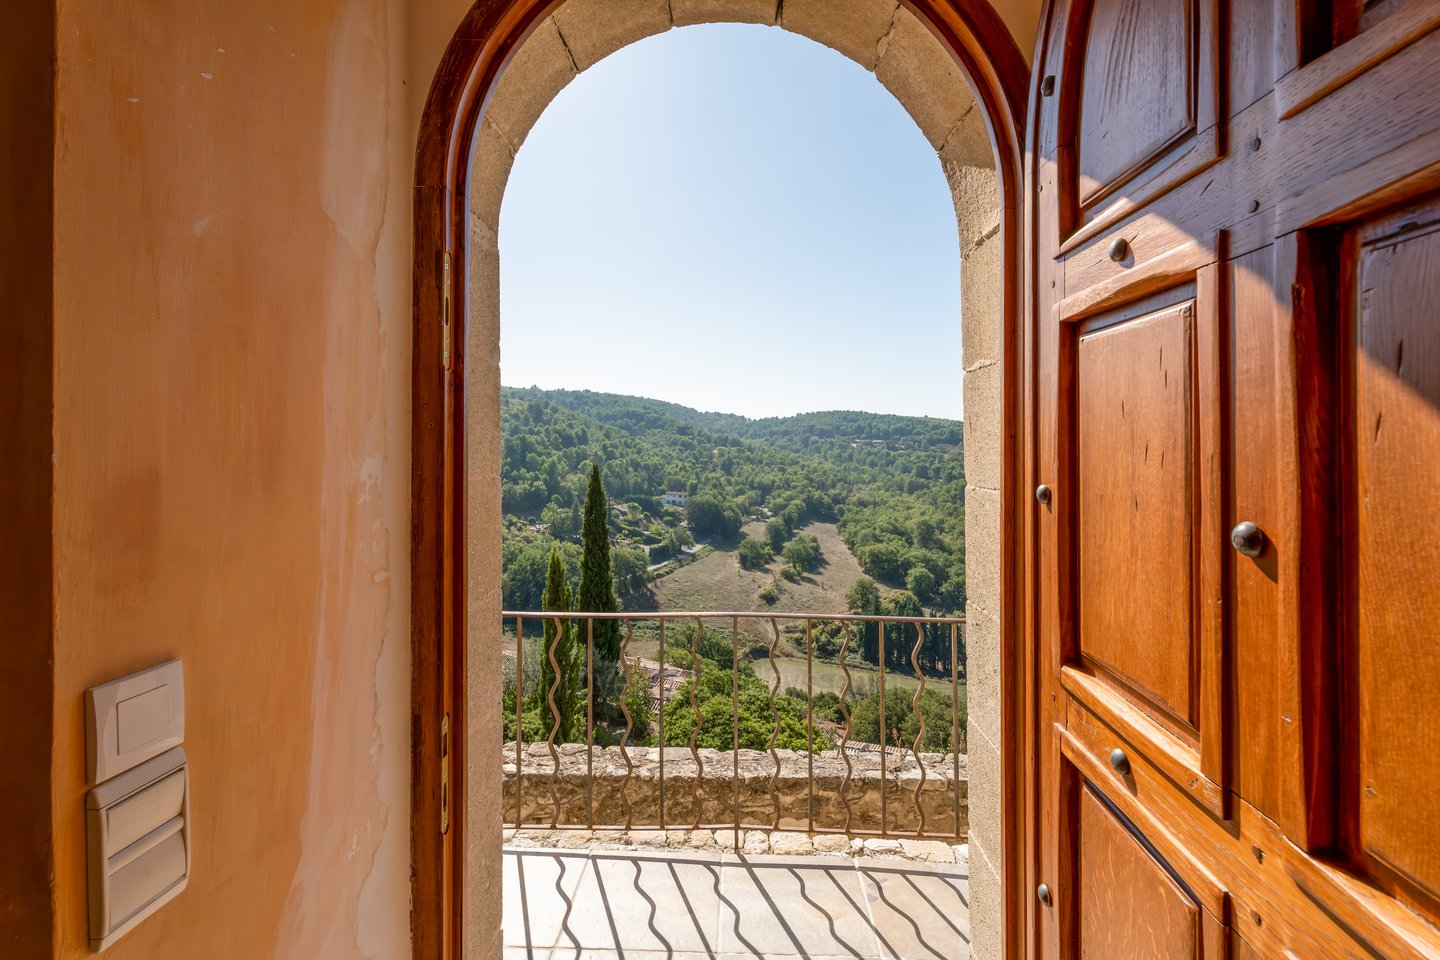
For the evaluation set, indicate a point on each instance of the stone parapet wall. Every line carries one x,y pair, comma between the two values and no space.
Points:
727,781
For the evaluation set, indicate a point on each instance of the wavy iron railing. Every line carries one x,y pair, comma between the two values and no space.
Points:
662,680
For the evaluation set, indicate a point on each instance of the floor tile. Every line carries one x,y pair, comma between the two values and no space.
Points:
570,954
539,887
794,907
920,911
693,905
646,902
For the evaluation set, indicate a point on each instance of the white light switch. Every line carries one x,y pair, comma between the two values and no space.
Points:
139,844
130,720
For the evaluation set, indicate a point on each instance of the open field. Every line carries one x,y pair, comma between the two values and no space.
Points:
827,676
718,582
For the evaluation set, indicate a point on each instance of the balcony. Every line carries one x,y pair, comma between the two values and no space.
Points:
628,838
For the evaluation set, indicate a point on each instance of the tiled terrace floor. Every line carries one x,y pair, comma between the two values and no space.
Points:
686,905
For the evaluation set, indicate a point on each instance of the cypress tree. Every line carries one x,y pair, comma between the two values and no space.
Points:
561,636
597,595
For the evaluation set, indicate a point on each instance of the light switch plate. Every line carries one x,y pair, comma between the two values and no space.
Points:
130,720
138,839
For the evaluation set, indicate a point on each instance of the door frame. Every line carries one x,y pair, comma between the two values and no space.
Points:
488,35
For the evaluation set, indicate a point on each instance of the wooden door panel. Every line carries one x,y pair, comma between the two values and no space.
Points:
1126,900
1130,906
1396,436
1247,874
1252,46
1259,301
1142,429
1135,445
1138,89
1146,87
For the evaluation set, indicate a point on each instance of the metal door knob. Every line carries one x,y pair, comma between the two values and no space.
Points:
1119,761
1119,249
1248,539
1043,892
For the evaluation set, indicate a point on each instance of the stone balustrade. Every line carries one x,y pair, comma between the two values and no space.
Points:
747,782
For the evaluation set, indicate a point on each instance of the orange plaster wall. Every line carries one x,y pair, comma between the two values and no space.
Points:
231,448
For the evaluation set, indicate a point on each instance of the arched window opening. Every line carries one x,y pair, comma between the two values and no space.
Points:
727,283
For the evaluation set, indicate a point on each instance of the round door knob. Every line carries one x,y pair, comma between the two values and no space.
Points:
1119,249
1120,762
1043,892
1248,539
1042,493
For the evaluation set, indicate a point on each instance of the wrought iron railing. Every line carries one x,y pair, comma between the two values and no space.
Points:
906,761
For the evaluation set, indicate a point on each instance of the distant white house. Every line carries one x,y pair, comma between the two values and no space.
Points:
673,498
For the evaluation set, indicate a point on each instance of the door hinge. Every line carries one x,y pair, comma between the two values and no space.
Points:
445,774
445,285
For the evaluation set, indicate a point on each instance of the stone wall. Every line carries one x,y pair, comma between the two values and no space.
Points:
727,781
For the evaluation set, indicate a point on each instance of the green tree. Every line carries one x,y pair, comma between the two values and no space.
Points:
925,532
952,593
597,595
710,516
900,637
776,532
887,561
902,603
754,554
803,553
718,715
920,582
863,598
902,724
630,570
560,681
641,706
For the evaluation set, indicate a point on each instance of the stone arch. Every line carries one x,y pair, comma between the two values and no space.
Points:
974,127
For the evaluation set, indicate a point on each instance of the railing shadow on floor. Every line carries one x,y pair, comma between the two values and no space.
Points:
648,906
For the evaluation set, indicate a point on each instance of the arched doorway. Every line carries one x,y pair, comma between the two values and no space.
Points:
956,70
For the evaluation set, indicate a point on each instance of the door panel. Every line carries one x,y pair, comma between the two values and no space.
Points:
1397,546
1135,444
1138,88
1236,266
1131,907
1259,350
1145,87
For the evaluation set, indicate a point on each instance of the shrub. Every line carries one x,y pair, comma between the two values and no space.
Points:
754,554
718,716
803,552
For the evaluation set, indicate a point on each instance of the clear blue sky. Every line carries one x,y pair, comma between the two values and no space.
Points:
737,219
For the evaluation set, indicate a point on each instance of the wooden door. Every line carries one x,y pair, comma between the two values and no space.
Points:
1233,413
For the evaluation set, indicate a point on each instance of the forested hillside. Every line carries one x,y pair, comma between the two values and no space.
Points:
894,486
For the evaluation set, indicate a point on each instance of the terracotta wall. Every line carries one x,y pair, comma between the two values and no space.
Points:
231,448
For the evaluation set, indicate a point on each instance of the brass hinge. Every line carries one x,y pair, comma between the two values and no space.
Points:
445,314
445,774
